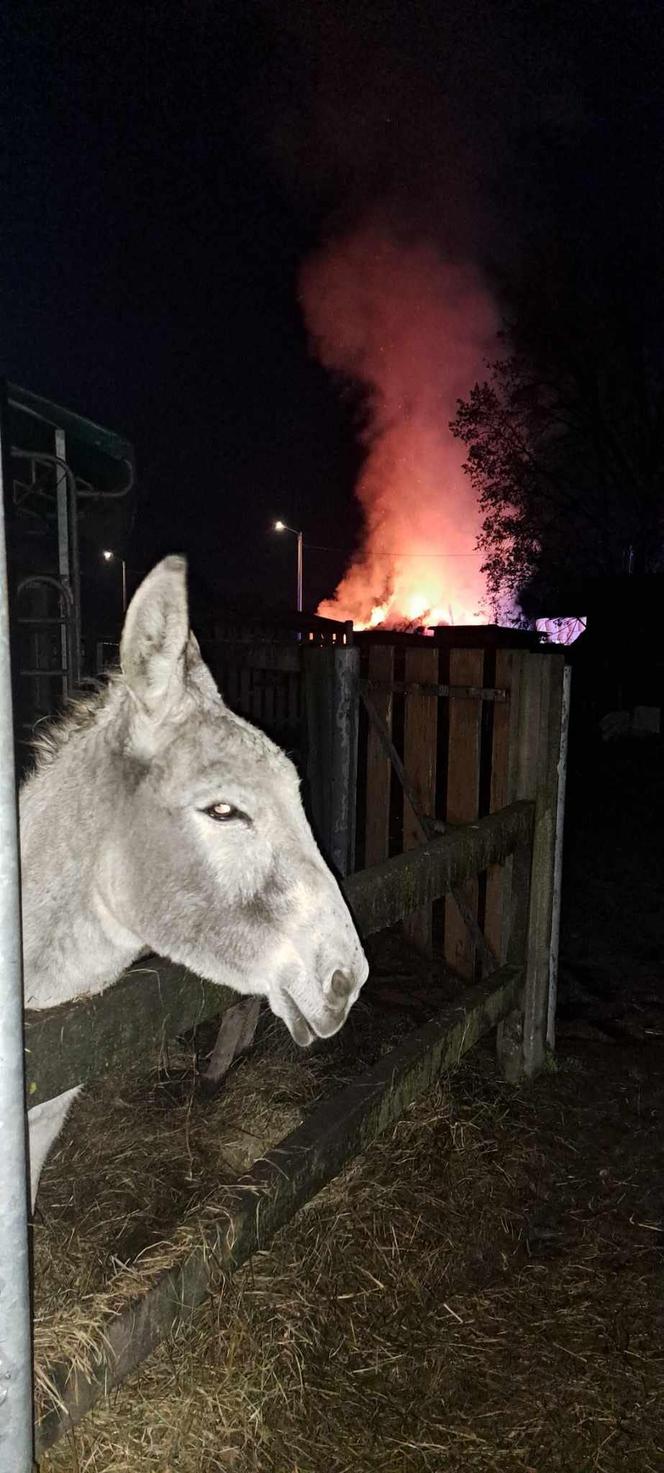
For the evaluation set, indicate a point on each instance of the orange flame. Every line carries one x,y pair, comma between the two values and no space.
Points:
414,331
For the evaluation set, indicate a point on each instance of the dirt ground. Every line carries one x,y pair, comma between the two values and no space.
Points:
483,1289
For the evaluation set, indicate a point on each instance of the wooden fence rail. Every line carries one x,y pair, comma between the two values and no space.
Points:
268,1196
155,1000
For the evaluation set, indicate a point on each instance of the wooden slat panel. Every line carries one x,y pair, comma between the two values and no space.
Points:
379,767
257,698
279,702
268,705
230,687
243,697
420,733
259,656
294,703
284,702
463,790
495,923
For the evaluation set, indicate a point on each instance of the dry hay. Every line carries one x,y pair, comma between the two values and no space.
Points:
480,1291
143,1166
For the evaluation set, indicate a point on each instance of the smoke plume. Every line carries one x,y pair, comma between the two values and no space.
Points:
413,330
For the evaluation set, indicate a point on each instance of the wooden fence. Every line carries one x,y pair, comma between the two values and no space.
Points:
455,747
444,737
262,681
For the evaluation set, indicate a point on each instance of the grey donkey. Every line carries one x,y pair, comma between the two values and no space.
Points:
156,820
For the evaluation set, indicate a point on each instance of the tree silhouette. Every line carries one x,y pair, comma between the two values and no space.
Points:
565,441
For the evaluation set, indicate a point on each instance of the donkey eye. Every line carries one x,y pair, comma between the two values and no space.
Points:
225,813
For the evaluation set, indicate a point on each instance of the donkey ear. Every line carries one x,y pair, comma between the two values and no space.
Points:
198,673
155,636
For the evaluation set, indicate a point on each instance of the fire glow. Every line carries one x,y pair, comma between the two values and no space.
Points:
414,331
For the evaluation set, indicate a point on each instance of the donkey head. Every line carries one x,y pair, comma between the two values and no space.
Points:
211,860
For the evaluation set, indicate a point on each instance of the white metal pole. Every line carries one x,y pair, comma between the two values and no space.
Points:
124,586
15,1337
558,860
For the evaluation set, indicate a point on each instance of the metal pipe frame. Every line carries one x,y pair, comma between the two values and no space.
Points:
39,457
16,1417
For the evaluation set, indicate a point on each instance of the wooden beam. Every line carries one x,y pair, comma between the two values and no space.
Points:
156,1000
381,896
536,988
463,796
533,774
128,1023
379,766
331,676
384,736
452,692
497,883
419,758
265,1199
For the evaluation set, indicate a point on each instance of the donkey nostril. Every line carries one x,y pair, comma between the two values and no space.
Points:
341,985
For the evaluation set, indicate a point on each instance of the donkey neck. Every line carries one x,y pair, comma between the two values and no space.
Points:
72,944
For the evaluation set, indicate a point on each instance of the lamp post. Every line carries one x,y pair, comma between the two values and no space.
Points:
108,557
282,527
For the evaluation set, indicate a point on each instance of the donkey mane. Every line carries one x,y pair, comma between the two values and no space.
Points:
80,712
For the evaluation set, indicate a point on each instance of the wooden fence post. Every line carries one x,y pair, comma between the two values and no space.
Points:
463,796
419,759
379,766
496,918
533,774
331,676
558,859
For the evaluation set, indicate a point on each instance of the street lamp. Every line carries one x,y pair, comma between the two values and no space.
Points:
108,556
283,527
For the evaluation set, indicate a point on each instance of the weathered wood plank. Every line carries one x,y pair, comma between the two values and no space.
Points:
533,774
381,896
558,857
522,778
384,736
129,1023
454,692
244,686
536,989
419,756
156,1000
495,927
509,1039
331,697
463,792
265,1199
379,767
294,701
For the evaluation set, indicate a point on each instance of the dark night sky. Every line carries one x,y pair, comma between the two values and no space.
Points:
168,166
